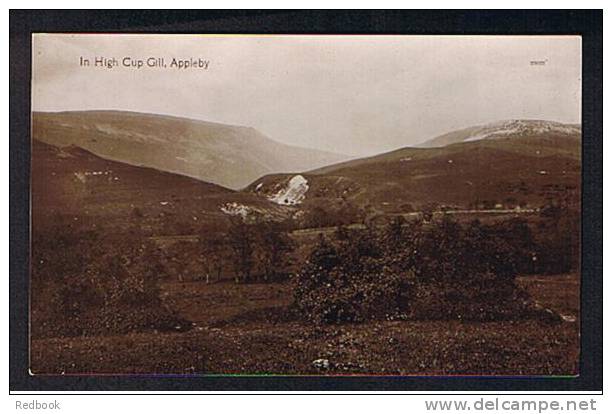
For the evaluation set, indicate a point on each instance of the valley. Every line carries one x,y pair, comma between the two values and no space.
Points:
166,245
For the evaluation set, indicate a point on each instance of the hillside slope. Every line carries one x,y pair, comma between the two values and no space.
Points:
74,184
516,170
230,156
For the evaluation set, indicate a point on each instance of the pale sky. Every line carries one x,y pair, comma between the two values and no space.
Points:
356,95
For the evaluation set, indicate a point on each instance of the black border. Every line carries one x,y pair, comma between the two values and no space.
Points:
587,23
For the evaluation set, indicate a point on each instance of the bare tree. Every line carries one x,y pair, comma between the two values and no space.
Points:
242,242
213,254
275,246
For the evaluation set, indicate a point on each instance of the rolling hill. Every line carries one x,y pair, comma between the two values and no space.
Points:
508,165
70,183
504,168
231,156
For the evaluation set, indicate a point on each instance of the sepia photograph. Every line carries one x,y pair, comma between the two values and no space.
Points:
305,205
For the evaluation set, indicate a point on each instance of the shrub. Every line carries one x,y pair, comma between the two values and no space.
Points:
341,212
468,272
558,242
347,284
437,270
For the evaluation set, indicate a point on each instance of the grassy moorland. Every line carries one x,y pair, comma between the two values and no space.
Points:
249,329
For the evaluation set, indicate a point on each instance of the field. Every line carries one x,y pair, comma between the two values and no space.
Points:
250,329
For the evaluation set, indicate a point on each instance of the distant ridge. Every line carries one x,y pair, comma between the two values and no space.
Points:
504,129
228,155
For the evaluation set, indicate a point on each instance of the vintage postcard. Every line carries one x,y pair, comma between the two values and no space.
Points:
305,205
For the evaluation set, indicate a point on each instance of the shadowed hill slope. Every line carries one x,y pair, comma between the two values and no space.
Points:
72,183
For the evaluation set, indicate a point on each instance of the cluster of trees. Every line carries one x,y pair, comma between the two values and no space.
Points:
259,252
255,251
84,284
438,269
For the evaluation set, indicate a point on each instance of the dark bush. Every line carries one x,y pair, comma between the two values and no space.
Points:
437,270
341,212
468,272
348,283
84,285
558,242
